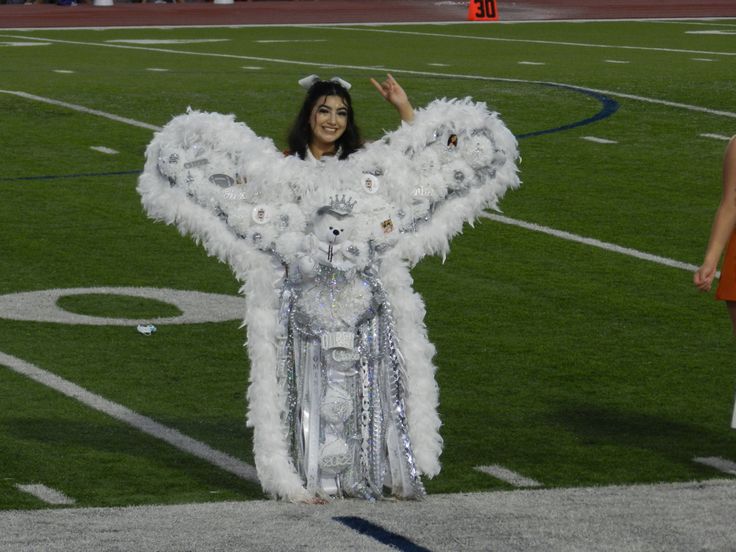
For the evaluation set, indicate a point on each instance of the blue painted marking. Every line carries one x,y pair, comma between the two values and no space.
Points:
377,532
610,106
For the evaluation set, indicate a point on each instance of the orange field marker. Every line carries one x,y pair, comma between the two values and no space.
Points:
482,10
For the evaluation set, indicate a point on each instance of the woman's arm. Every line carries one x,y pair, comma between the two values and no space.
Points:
395,95
723,224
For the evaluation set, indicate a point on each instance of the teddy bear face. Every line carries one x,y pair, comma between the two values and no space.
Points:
332,228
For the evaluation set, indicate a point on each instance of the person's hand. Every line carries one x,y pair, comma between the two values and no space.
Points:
703,277
392,92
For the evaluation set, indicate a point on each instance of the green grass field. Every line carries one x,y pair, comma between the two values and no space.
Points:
570,364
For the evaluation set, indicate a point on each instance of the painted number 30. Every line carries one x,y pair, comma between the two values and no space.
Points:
485,8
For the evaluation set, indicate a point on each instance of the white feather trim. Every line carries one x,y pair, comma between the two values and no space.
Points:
251,207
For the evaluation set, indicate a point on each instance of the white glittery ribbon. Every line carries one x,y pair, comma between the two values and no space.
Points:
308,82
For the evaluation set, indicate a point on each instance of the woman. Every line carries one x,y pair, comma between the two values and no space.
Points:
723,229
342,396
329,422
326,125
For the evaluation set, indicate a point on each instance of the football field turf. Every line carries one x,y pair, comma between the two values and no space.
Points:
572,347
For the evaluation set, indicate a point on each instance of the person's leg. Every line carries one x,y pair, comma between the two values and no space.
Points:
731,306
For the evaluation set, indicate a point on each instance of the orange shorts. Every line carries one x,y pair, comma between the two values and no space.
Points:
727,284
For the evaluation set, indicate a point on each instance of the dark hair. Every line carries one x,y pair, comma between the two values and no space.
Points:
300,134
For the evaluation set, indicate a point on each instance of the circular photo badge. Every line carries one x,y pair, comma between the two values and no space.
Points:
370,183
261,214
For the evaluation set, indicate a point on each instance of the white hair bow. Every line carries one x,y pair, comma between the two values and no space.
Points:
308,82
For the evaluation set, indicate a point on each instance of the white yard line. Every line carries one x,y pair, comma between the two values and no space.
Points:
713,32
709,21
81,109
168,41
46,494
125,415
21,44
599,140
674,20
279,41
716,136
678,105
103,149
509,476
667,103
592,242
721,464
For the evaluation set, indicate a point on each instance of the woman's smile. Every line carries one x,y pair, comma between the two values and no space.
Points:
328,121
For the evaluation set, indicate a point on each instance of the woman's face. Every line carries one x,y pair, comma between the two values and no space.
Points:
328,120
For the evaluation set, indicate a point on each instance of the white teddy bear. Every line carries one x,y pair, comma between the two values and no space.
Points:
328,243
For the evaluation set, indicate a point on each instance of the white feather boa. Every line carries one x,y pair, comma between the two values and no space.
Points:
208,175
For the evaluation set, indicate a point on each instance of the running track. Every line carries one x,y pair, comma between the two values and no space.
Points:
264,12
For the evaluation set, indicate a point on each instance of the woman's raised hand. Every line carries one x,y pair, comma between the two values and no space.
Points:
393,93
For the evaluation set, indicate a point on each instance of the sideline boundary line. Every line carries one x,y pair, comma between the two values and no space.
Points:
532,41
127,416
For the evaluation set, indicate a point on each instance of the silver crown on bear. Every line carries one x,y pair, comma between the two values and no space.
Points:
341,205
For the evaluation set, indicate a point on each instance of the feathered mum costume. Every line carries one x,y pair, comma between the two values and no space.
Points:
342,396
